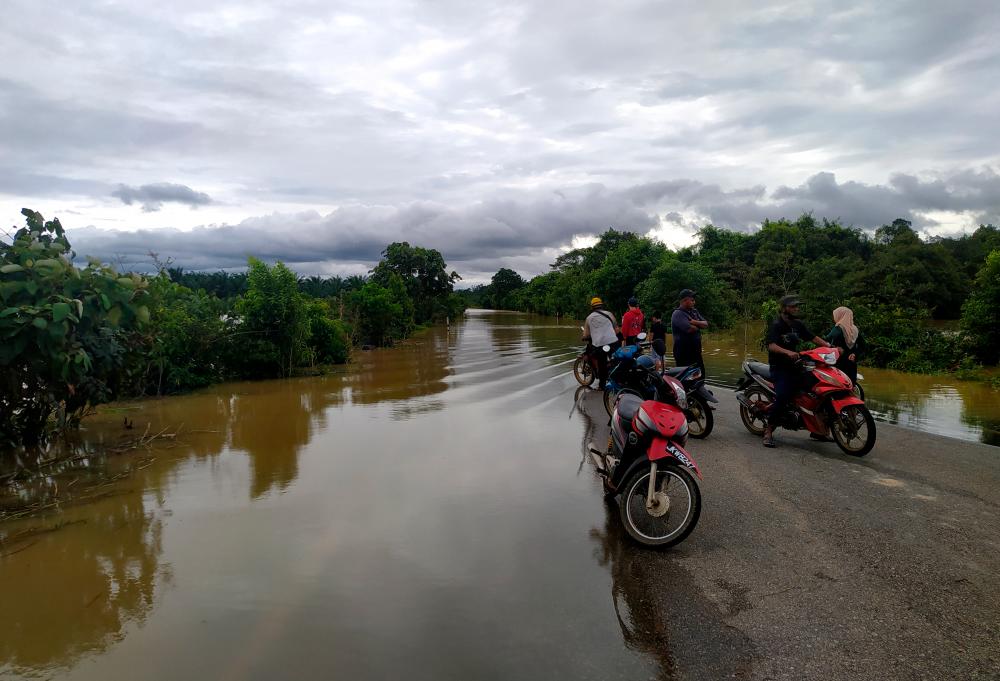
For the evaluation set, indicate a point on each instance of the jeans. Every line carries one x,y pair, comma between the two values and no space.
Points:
786,384
690,357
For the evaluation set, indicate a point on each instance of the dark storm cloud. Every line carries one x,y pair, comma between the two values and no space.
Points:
153,196
526,229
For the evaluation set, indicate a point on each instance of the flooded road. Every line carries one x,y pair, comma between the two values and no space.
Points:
426,513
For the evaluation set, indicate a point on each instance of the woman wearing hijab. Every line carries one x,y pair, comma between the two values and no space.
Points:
846,336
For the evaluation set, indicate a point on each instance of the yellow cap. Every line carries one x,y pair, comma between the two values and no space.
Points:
595,301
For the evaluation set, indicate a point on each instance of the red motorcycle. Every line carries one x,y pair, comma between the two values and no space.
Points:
827,405
646,464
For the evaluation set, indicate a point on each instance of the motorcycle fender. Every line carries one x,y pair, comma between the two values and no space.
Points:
661,448
838,405
707,394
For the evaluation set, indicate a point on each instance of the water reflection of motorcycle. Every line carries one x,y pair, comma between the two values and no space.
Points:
829,405
646,465
639,376
644,621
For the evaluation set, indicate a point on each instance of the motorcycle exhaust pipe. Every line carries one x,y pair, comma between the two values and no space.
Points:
597,456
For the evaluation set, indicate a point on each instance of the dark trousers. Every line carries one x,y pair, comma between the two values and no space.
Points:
602,361
786,384
689,357
848,367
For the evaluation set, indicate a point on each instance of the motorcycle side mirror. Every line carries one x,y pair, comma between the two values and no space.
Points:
606,348
642,336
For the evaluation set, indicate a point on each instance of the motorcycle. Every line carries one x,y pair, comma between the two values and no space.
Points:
585,368
639,376
646,465
829,405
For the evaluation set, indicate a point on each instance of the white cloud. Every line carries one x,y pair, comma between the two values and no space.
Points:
470,114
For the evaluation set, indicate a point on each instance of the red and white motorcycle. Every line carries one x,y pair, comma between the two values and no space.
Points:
827,404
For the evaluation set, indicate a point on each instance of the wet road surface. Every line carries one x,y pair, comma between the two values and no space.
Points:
428,513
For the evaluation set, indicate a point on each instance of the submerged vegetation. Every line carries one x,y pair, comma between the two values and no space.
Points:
74,337
897,283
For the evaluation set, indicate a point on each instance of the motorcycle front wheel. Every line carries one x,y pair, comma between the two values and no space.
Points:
755,420
674,513
854,430
583,371
700,417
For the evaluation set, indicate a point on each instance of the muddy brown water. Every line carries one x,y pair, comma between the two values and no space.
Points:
424,513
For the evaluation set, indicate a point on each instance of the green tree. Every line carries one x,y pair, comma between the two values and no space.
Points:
504,284
329,340
624,267
377,313
981,312
273,314
424,273
184,350
68,334
660,290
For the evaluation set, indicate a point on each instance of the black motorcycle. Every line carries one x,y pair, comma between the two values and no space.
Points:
637,375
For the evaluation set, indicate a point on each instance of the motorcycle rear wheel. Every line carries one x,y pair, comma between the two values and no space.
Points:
854,430
583,371
859,392
677,522
702,420
751,419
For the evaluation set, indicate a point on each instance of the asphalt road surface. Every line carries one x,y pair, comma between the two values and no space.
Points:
810,564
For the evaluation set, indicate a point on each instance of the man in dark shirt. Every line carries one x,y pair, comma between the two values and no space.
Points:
686,323
783,339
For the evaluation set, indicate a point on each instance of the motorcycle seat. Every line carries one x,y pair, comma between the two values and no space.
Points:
761,369
627,405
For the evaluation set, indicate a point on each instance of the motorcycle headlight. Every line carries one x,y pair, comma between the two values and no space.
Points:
682,398
680,395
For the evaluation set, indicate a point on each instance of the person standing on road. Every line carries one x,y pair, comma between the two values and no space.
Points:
846,336
687,323
659,340
600,329
784,336
633,322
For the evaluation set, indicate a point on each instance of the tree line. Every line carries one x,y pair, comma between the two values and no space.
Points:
74,337
894,280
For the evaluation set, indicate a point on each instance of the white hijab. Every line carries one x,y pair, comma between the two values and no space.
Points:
844,318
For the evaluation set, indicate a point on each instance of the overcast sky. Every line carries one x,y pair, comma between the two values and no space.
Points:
316,132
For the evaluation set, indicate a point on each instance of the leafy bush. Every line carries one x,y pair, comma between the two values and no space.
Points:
67,335
981,312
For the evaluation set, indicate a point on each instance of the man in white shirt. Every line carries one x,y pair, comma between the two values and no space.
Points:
600,329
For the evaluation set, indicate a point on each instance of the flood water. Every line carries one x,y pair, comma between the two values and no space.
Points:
425,513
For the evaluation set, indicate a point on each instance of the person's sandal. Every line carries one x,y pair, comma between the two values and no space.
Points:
769,440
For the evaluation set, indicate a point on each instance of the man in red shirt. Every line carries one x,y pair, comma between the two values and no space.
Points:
633,323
